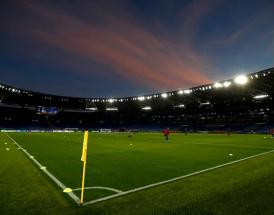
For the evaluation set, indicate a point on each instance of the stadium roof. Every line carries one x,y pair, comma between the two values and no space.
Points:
256,86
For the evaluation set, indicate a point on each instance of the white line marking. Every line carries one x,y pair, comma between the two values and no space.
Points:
172,180
52,177
230,145
100,188
67,190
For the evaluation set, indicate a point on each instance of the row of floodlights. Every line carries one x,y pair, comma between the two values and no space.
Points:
259,96
148,108
14,90
257,76
114,108
145,108
240,80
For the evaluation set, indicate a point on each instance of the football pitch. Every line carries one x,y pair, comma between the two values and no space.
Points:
122,163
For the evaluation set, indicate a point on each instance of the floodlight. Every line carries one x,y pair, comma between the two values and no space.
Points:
141,98
146,108
180,92
227,83
261,96
92,108
241,80
110,100
187,91
205,103
217,85
164,95
180,106
112,109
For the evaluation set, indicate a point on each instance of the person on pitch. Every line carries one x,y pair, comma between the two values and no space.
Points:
166,133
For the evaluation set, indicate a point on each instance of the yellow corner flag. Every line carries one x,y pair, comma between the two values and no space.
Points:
85,147
84,159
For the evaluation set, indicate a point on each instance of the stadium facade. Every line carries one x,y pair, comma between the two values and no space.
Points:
243,104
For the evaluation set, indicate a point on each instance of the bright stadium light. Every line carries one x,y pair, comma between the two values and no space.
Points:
92,108
180,106
217,85
227,83
141,98
112,109
187,91
180,92
261,96
164,95
205,103
241,79
146,108
110,100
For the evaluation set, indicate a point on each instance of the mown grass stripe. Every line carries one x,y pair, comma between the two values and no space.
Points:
172,180
51,176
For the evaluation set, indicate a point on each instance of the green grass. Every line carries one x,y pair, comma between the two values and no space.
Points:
114,162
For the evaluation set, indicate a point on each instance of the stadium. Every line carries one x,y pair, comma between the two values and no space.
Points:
136,107
218,156
243,105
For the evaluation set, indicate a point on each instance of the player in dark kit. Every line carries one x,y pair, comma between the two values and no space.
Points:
166,133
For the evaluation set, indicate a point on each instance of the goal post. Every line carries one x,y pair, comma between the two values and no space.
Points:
71,129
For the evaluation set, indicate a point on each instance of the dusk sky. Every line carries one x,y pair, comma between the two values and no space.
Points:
131,47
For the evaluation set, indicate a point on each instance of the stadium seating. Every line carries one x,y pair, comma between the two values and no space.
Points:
221,106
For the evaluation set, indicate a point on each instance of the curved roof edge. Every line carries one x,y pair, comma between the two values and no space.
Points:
218,84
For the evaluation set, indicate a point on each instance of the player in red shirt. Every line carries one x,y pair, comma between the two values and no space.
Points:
166,133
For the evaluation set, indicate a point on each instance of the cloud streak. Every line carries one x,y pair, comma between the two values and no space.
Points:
126,47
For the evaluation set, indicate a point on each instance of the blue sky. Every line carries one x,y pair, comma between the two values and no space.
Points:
126,47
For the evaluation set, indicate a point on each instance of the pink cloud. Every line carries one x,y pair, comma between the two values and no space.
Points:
126,47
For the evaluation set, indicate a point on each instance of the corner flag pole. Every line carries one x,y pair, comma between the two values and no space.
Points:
84,159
